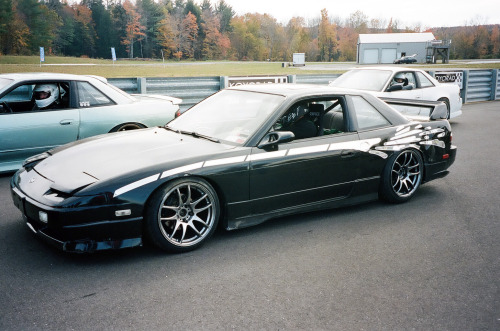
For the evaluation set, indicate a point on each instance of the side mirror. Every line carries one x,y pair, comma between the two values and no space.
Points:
276,137
440,112
395,87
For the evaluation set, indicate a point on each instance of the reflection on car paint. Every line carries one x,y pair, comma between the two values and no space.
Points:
361,145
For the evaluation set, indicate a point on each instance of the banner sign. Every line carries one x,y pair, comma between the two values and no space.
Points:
250,80
42,54
113,54
453,77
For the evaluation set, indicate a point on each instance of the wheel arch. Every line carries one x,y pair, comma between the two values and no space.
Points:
415,148
448,105
383,193
220,195
137,125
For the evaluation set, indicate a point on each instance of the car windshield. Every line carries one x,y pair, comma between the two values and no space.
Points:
369,80
4,82
230,115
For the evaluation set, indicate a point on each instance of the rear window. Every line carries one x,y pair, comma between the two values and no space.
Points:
369,80
4,82
424,81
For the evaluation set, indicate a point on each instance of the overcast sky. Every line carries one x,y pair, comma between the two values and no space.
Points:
426,13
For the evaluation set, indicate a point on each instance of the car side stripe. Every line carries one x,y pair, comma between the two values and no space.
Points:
266,156
307,150
229,160
187,168
136,184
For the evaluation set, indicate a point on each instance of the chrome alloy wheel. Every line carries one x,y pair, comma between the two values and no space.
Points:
406,173
187,214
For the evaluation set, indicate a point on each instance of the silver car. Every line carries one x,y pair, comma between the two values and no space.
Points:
402,83
80,107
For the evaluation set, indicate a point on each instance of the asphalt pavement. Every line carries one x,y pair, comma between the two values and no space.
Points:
430,264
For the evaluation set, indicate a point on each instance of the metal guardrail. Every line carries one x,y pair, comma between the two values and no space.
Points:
191,90
315,79
478,85
497,91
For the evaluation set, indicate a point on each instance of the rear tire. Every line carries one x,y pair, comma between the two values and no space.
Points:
182,215
447,103
402,176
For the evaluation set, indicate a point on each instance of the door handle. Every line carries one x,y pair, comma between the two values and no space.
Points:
66,122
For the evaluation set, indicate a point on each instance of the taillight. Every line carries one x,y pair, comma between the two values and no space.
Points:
178,113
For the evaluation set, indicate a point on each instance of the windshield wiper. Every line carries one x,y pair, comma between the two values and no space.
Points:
198,135
171,129
194,134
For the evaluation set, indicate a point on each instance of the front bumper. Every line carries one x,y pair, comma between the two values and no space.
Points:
84,237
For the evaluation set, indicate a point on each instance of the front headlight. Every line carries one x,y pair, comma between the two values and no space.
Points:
34,160
100,199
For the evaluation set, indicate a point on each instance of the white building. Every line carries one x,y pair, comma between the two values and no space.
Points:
386,47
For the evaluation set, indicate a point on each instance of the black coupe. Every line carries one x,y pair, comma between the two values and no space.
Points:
236,159
406,60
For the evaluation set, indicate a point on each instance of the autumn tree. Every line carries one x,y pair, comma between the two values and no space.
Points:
481,41
273,36
15,39
356,24
134,29
327,37
245,37
167,36
463,43
358,21
377,25
215,45
495,42
188,32
297,36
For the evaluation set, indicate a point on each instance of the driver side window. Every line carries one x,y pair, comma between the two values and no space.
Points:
23,98
313,118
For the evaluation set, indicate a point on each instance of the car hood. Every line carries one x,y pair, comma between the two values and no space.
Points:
109,156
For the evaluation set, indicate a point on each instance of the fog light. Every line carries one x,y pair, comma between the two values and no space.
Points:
43,217
125,212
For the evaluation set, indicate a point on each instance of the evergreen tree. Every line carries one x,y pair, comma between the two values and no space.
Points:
102,22
6,18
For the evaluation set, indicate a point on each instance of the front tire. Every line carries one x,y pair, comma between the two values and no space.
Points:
182,215
127,127
402,176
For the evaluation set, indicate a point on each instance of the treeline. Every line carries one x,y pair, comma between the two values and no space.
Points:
476,41
180,29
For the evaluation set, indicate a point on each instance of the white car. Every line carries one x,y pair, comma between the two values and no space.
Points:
402,83
77,107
